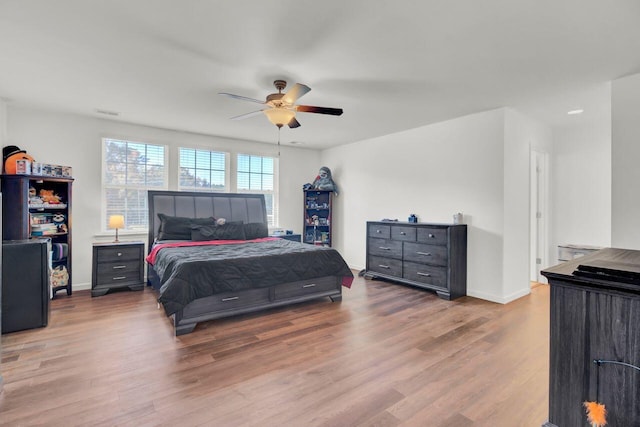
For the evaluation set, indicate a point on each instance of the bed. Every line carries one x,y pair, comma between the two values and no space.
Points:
218,274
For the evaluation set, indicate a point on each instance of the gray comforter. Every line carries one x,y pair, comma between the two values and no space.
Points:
191,272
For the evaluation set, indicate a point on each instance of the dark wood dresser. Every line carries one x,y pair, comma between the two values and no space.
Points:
595,338
429,256
117,265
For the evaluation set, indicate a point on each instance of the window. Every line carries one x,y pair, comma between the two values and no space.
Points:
256,174
202,170
129,170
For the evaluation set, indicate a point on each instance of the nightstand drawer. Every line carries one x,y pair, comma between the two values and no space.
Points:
111,254
115,279
111,268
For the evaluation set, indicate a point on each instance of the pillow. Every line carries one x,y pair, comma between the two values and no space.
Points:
256,230
228,231
179,228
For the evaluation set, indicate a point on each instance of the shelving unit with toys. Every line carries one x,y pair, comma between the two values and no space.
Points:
317,217
40,207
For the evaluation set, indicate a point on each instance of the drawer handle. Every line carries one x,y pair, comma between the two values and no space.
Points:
378,231
431,236
119,277
229,299
424,253
402,233
384,248
424,274
119,253
384,266
117,267
310,285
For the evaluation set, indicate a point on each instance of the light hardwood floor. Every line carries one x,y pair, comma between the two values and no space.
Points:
387,355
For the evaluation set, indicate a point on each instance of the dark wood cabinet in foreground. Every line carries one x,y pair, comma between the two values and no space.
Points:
429,256
595,316
117,265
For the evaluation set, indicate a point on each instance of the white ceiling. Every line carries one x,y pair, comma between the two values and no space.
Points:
391,65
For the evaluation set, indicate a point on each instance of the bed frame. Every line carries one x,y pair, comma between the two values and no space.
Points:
248,208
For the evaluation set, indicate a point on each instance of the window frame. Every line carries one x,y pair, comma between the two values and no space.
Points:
226,170
274,218
171,172
106,186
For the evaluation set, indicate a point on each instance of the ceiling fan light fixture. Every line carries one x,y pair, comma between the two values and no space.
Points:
279,116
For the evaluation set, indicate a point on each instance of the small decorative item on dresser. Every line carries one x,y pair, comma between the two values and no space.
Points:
413,218
117,222
457,218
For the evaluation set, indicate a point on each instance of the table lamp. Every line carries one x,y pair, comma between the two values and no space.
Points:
116,221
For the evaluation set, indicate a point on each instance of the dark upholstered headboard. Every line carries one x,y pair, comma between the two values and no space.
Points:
247,208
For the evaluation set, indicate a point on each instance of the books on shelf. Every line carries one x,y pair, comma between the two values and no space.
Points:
43,229
47,205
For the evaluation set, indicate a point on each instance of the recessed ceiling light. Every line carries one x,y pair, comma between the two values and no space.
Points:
579,111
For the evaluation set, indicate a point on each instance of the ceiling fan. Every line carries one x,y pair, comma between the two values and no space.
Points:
281,108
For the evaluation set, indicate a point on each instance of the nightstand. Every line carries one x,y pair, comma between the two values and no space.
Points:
117,265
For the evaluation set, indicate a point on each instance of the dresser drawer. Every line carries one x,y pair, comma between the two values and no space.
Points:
405,234
388,266
432,236
425,254
306,287
427,274
379,231
111,254
385,248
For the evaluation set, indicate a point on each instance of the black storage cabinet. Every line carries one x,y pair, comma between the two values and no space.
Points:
25,284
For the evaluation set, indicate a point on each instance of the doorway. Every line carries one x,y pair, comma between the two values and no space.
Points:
538,214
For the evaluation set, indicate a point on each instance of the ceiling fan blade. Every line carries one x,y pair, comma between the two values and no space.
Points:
297,91
320,110
293,123
247,115
242,98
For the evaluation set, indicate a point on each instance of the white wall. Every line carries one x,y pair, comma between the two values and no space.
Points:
625,156
77,141
582,171
3,122
521,135
3,133
432,171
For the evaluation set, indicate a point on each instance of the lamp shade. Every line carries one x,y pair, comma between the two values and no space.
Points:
279,116
116,221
